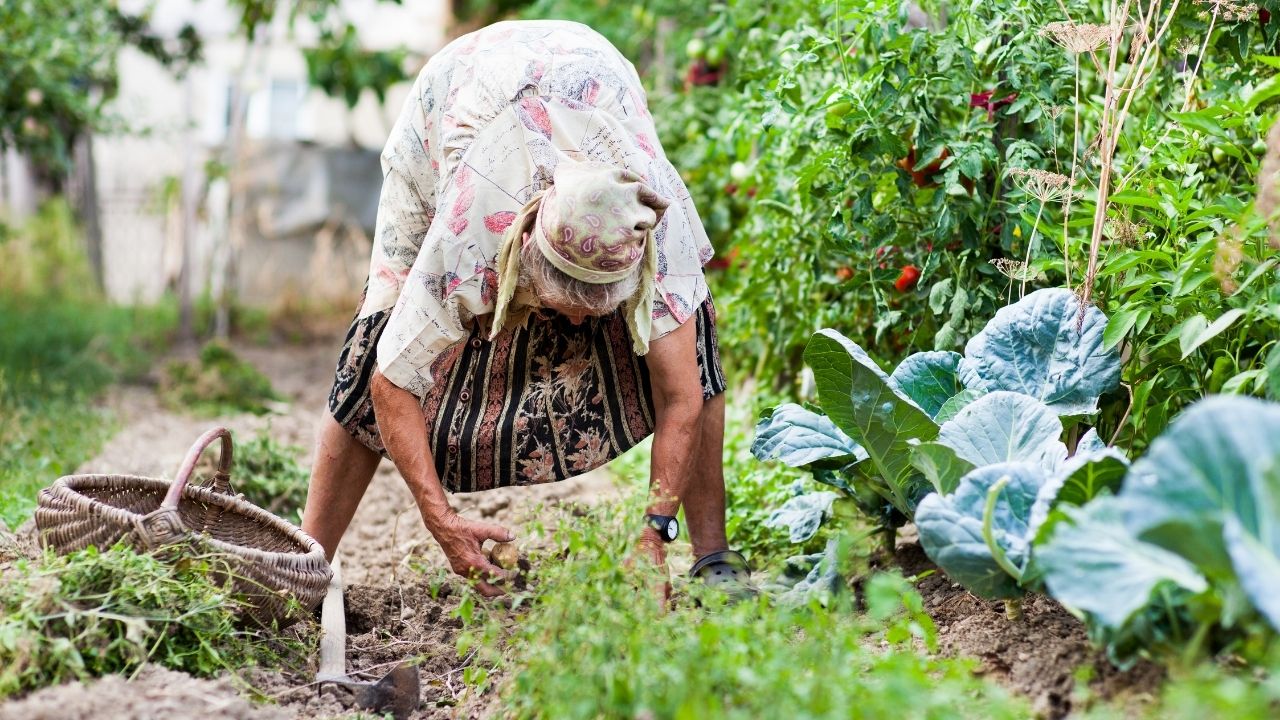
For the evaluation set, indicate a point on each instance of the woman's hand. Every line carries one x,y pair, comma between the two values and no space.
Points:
461,540
405,437
651,549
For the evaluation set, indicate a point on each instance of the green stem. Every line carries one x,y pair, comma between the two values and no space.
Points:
988,513
889,540
1013,609
1193,650
1031,241
844,59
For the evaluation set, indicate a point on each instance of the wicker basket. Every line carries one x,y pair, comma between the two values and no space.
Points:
267,559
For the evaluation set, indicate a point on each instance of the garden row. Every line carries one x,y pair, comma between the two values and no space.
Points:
991,455
907,175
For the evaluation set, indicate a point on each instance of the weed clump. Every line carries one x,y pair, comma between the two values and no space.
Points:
631,657
95,612
269,476
217,382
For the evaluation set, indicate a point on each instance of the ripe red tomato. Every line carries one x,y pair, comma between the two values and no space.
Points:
907,279
844,273
923,177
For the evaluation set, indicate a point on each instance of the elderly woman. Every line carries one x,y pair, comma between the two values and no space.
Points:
535,303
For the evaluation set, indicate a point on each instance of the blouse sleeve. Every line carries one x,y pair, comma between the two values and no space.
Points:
406,205
419,331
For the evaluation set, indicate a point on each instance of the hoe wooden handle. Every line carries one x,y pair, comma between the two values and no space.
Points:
333,623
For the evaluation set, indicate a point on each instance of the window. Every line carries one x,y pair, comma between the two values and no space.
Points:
284,103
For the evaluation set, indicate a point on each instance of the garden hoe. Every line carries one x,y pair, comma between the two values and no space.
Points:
397,693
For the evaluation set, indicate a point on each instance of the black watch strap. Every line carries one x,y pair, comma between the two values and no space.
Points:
667,526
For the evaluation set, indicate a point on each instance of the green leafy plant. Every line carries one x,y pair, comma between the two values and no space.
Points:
216,382
886,438
637,658
269,475
1184,559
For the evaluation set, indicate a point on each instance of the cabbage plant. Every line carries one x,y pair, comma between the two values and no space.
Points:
1190,545
890,439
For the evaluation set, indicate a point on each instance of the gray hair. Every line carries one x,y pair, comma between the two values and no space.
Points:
554,285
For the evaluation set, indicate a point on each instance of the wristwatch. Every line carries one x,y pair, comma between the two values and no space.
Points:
668,527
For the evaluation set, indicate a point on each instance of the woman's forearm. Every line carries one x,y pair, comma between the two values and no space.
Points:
677,402
404,434
674,440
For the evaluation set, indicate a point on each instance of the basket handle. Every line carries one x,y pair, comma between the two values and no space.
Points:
164,525
221,476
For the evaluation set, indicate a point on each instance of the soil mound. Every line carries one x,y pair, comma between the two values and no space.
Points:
1040,656
155,693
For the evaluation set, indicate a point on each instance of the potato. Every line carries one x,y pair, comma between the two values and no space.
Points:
505,556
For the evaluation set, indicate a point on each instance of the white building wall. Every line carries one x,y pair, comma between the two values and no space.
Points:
163,119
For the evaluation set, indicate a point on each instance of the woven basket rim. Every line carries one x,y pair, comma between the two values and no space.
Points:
68,485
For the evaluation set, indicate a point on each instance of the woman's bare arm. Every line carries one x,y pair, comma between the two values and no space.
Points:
677,399
405,436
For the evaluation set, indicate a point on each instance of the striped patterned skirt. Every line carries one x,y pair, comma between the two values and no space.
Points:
540,403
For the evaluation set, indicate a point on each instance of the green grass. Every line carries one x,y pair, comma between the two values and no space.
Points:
269,476
57,356
92,612
595,642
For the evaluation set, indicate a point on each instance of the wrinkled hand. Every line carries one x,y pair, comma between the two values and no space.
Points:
462,540
651,548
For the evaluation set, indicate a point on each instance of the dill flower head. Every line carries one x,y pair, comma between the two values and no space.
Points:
1014,269
1229,10
1043,185
1078,37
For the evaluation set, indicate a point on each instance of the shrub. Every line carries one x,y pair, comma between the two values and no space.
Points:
217,382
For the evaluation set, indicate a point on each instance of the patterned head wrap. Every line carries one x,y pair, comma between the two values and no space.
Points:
594,224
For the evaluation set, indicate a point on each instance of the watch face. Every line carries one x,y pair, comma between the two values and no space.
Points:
673,529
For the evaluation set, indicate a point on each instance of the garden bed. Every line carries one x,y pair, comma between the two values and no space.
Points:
402,603
1041,656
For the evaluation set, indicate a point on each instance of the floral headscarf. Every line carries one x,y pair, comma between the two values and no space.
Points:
595,224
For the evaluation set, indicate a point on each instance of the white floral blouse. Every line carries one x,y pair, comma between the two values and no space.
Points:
487,121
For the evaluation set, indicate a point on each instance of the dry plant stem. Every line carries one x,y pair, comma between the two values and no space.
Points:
1075,158
1113,119
1105,150
1128,408
1143,70
1186,100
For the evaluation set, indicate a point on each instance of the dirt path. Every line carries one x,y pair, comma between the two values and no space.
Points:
393,611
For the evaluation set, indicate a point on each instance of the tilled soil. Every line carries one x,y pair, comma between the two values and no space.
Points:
400,599
1039,656
156,692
